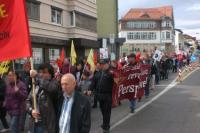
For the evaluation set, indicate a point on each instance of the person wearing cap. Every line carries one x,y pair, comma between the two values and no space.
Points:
102,84
132,62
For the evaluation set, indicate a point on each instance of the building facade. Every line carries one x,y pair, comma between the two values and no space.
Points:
147,28
107,25
179,41
54,23
190,43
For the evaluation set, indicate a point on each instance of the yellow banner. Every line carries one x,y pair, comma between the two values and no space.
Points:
4,66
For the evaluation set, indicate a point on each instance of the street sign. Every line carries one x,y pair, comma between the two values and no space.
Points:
112,38
104,43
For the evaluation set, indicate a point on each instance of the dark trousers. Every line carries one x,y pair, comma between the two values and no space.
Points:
95,100
4,122
105,106
147,91
174,69
3,117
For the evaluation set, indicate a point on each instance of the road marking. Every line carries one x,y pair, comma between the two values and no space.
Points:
169,87
190,74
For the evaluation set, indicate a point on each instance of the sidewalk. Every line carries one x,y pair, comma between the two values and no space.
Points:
121,111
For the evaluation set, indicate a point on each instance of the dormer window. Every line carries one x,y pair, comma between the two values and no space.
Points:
144,15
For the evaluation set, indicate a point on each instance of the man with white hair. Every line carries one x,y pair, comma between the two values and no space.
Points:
75,111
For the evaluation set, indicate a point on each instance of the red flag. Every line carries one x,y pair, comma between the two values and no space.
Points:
138,56
95,57
62,55
60,61
14,32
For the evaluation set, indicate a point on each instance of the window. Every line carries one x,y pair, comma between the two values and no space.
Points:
144,36
72,18
93,1
141,24
33,10
167,24
86,21
163,24
38,55
163,35
130,36
168,35
137,36
56,15
141,36
54,54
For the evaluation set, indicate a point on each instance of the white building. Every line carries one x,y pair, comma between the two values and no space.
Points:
147,28
179,41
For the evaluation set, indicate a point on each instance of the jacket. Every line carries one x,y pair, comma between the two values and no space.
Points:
102,82
13,99
47,97
80,114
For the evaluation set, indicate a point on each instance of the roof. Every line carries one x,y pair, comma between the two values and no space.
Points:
189,37
149,13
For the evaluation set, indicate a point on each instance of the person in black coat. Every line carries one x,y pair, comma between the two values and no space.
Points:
102,85
74,110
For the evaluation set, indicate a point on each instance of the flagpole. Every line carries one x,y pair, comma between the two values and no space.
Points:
82,73
33,88
13,65
70,64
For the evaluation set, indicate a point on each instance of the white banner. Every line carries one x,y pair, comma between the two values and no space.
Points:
103,53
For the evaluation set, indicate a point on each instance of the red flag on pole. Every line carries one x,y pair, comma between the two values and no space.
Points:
61,59
14,31
62,55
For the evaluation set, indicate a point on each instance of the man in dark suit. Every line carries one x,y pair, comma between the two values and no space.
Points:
74,114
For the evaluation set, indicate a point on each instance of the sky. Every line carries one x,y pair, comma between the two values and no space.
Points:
186,12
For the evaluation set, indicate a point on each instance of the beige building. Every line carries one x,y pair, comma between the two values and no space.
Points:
54,23
190,43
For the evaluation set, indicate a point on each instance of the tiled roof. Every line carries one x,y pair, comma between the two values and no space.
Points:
149,13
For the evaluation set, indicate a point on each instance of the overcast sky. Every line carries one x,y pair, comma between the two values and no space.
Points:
186,12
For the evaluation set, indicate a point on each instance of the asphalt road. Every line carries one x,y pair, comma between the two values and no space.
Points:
177,111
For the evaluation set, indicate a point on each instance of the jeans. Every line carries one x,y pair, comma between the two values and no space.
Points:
22,121
14,123
133,104
38,128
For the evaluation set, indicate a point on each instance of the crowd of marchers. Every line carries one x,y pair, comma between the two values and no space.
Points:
64,98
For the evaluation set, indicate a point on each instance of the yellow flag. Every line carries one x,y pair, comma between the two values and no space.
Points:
4,66
73,54
90,60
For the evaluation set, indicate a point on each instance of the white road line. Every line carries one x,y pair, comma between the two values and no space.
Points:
169,87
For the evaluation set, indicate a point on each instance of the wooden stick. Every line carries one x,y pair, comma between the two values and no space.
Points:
33,88
13,64
82,73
